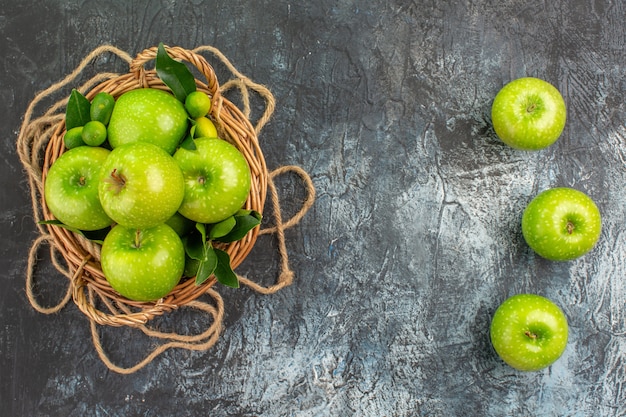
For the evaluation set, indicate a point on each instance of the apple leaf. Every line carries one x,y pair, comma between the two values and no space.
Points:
188,143
93,236
245,221
64,226
194,246
223,271
222,228
202,229
97,236
213,261
207,266
77,110
174,74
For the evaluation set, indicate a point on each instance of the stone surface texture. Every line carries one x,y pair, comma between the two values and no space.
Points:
413,241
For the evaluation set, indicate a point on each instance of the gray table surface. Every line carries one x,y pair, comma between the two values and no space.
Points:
414,238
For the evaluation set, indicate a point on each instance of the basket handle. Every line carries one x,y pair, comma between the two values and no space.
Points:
194,57
243,83
138,66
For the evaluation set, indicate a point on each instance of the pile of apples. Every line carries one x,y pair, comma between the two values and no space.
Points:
528,331
148,172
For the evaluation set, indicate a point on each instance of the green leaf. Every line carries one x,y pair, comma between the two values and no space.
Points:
243,224
202,229
207,266
194,246
222,228
191,267
174,74
188,143
77,110
93,236
223,271
64,226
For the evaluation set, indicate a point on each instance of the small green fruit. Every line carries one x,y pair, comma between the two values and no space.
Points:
94,133
73,138
102,107
205,128
197,104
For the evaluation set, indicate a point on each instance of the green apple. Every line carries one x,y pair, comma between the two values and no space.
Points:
528,114
141,185
148,115
561,224
217,180
529,332
142,264
71,188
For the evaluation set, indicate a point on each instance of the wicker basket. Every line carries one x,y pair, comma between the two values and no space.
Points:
83,256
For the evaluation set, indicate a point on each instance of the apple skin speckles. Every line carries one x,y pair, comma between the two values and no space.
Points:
529,332
217,180
528,114
148,115
141,185
561,224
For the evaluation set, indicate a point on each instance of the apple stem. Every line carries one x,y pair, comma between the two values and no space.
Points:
81,180
137,239
116,180
531,108
570,228
117,177
530,334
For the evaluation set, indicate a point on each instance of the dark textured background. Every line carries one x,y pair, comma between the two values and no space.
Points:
414,239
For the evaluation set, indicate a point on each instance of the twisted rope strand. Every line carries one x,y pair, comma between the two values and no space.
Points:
30,270
206,340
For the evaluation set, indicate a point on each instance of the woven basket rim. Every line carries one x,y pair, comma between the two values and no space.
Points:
82,255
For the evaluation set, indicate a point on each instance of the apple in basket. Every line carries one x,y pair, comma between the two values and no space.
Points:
148,115
141,185
143,264
71,188
217,180
138,164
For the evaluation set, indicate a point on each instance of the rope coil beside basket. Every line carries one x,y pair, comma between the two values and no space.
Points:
40,143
